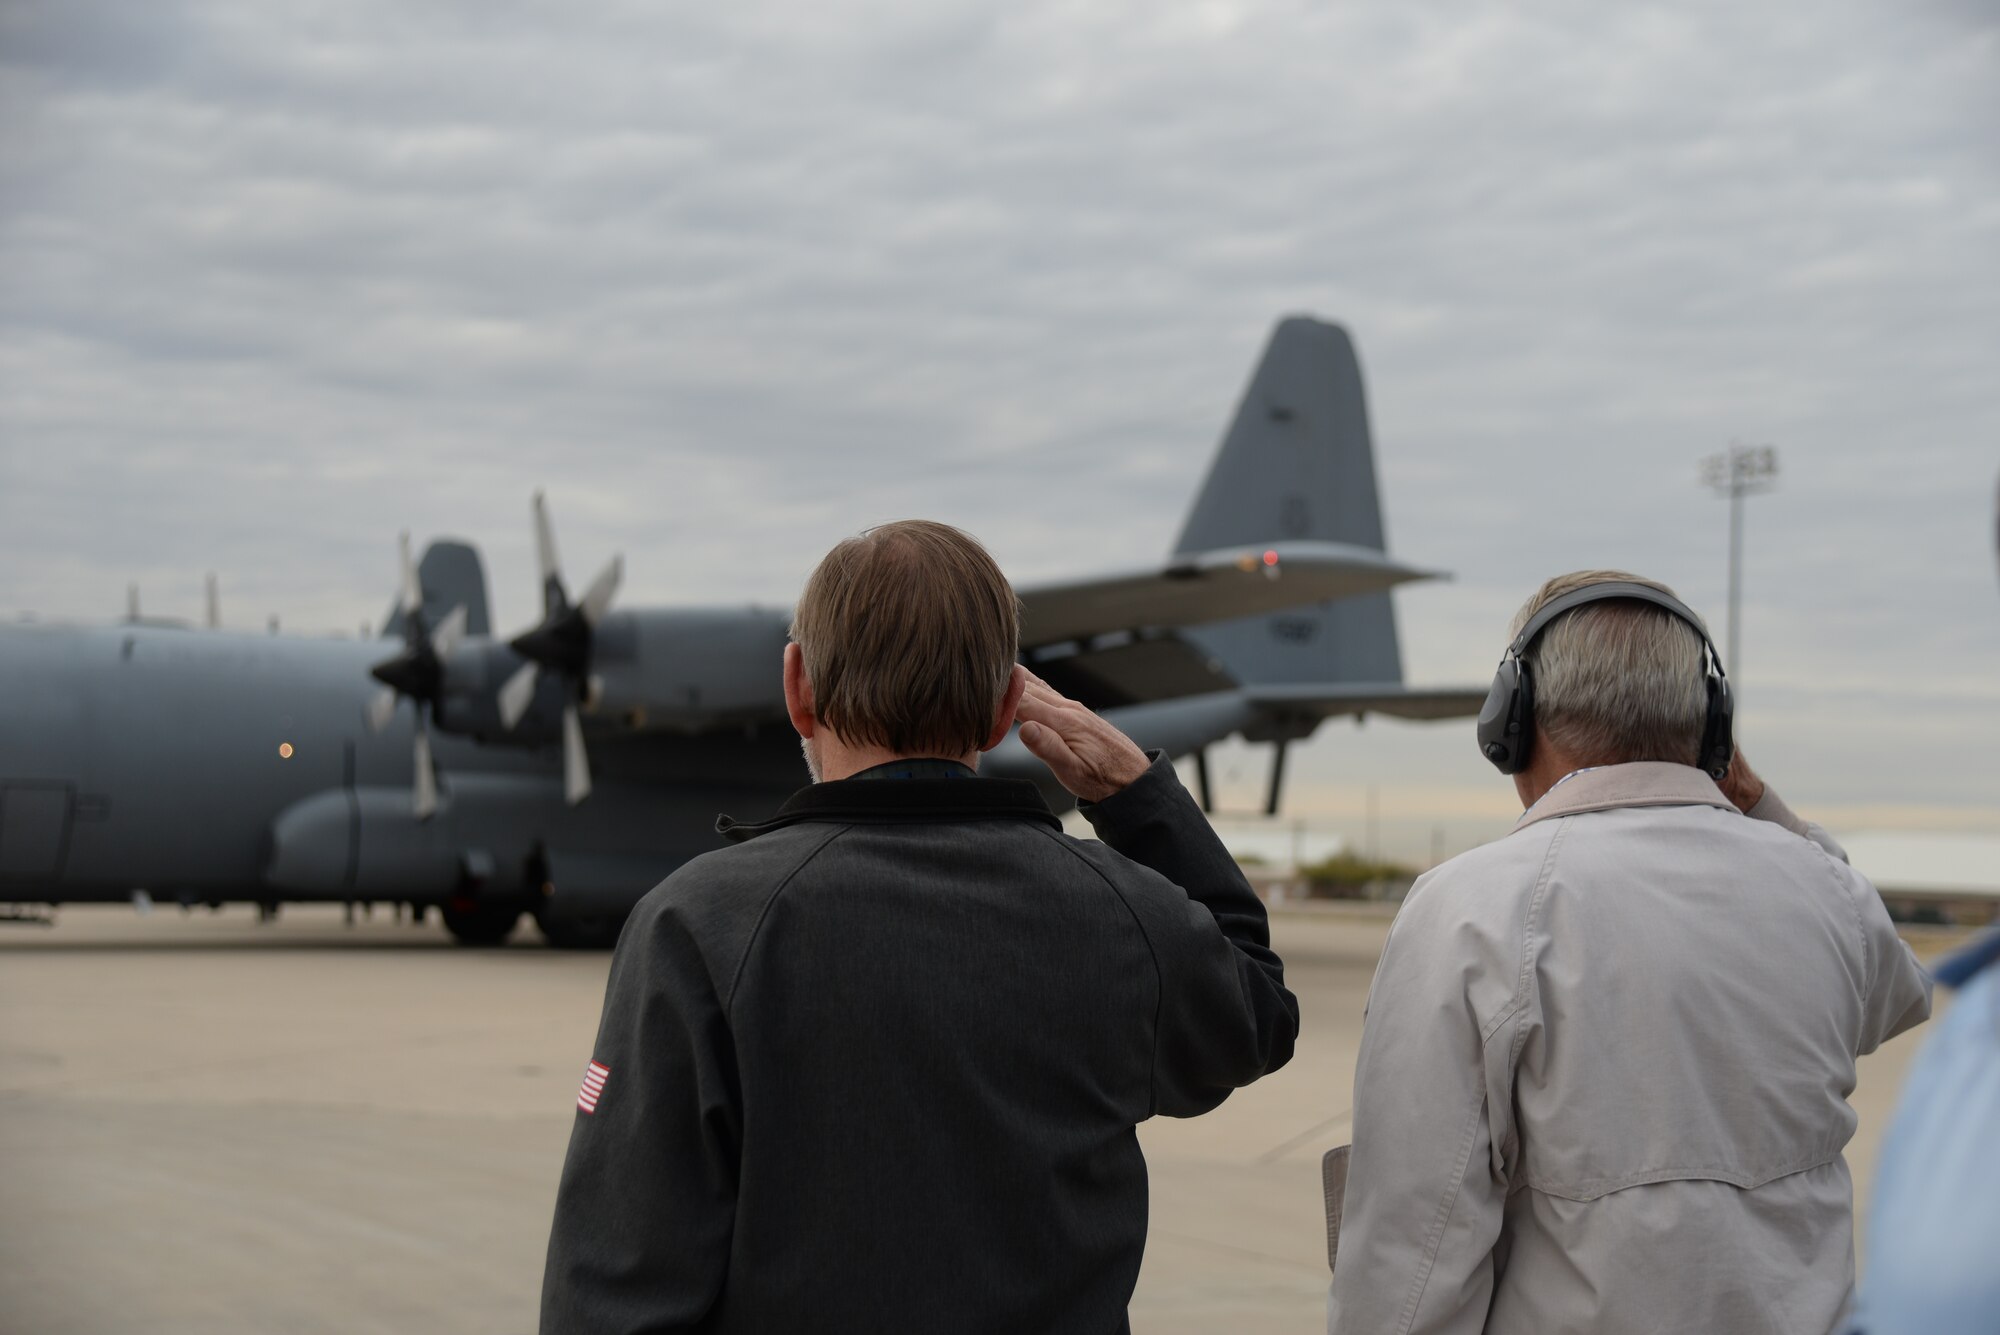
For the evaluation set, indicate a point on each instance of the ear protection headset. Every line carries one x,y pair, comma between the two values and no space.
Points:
1507,719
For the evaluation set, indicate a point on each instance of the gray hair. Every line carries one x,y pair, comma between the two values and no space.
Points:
1618,680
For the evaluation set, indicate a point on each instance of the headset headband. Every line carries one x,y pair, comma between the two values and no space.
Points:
1505,731
1611,588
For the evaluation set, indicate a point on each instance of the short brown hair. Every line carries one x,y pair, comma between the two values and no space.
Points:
1618,680
909,633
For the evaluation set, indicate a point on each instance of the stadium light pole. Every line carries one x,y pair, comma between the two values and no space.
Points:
1739,471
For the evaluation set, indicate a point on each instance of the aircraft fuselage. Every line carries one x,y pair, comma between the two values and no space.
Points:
205,766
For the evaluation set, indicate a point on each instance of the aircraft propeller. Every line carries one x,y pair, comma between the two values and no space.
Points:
417,673
560,643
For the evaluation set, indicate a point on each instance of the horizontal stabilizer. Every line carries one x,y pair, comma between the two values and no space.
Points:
1174,726
1196,587
1333,699
1182,727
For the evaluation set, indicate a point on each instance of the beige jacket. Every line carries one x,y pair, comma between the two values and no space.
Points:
1603,1080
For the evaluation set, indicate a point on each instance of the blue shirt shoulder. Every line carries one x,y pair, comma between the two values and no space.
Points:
1934,1226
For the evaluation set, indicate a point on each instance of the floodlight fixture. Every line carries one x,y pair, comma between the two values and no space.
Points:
1739,471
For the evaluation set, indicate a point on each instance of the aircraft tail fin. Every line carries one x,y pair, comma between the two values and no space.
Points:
1298,463
451,575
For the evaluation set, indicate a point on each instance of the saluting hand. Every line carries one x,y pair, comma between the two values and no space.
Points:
1740,784
1088,756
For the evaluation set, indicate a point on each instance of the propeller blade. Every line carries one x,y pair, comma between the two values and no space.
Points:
597,598
449,632
424,795
413,591
576,765
545,556
381,708
517,693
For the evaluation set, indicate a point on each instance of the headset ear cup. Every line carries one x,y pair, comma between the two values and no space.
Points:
1491,729
1718,736
1500,739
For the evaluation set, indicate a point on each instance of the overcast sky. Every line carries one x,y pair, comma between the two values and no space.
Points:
278,280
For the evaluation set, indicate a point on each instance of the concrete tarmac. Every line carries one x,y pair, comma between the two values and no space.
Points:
216,1125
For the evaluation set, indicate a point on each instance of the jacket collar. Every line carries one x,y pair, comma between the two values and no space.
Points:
1642,783
906,801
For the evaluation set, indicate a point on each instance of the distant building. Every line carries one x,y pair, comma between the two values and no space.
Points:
1931,876
1924,876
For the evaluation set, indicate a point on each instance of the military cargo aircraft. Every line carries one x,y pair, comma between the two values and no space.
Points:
565,771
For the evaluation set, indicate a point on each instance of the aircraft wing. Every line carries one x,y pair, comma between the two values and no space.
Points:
1196,587
1332,699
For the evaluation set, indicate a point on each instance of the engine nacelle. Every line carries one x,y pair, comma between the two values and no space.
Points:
691,670
682,671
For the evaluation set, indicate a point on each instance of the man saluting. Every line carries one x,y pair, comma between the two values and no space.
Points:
878,1066
1603,1080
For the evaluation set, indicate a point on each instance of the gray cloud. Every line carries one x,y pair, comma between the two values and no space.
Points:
278,280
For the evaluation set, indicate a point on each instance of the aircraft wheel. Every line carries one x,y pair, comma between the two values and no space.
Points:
598,932
480,924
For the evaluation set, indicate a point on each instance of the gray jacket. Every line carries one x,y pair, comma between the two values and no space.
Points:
1603,1079
878,1067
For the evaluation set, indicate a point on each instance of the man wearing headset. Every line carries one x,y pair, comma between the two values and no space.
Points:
1603,1077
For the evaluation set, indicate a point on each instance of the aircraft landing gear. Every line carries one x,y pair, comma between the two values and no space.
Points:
476,924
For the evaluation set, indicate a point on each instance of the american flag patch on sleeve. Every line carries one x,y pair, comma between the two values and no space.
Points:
593,1086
